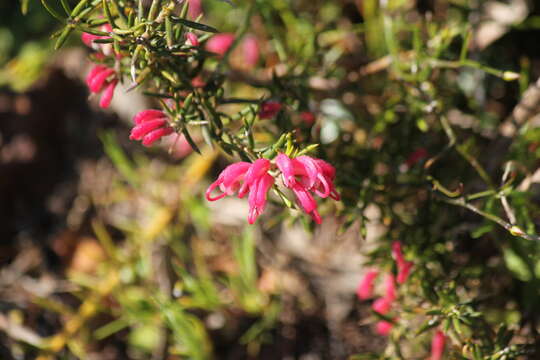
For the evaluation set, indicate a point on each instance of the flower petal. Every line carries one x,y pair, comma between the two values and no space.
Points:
139,131
147,115
107,95
155,135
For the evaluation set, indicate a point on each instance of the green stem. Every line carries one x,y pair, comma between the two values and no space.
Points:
53,12
512,229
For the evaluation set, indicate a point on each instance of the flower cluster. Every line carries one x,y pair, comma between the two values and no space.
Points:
150,126
384,304
304,175
101,78
403,266
244,177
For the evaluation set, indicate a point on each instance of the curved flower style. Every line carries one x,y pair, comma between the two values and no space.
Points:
150,126
365,287
102,78
257,196
243,177
304,175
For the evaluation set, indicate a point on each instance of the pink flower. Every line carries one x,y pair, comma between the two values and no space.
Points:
229,181
307,117
403,271
437,345
306,202
383,327
365,287
192,39
390,288
89,39
250,48
243,177
257,196
382,305
257,170
304,175
194,9
220,43
150,126
404,266
102,79
269,109
198,82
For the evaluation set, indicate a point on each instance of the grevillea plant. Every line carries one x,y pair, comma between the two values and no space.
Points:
163,52
381,115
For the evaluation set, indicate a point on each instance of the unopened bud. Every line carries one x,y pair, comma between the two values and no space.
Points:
510,76
516,231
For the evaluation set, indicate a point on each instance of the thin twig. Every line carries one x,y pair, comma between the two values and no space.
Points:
512,229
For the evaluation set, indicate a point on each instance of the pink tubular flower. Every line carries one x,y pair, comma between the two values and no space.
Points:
194,9
250,48
383,327
150,126
306,202
220,43
403,272
89,39
382,305
192,39
243,177
397,253
437,345
102,78
365,287
269,109
229,181
390,288
257,196
304,175
404,266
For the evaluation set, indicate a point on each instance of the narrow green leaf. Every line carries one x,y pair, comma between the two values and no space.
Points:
80,7
107,11
52,11
190,140
63,37
24,6
66,7
194,25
